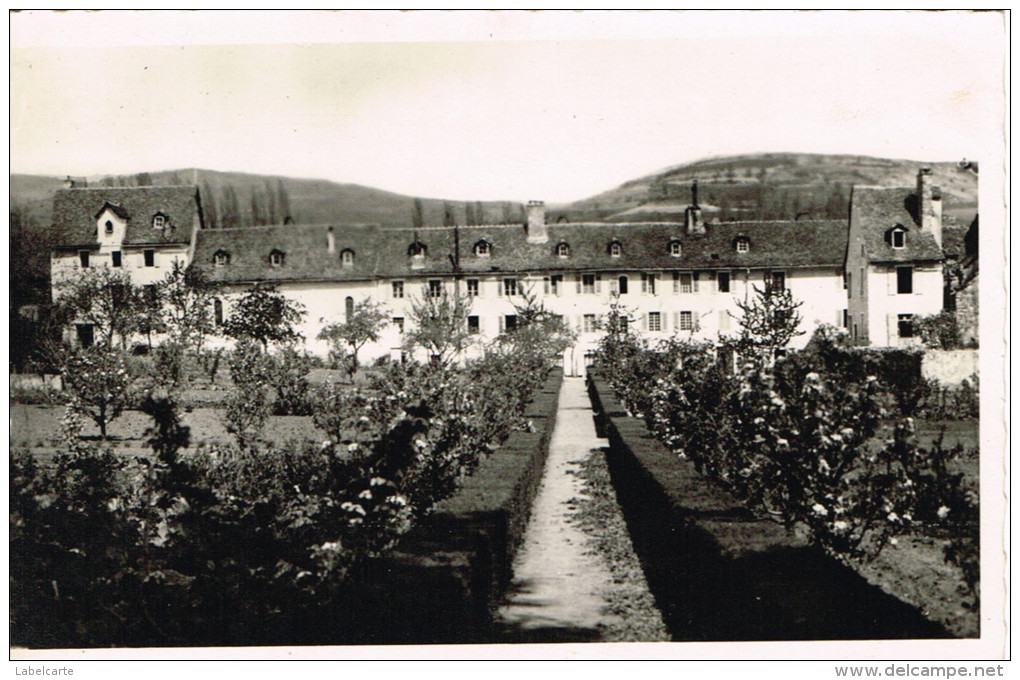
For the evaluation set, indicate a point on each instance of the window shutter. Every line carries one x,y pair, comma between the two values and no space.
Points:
892,278
499,291
502,323
664,320
598,283
579,323
644,321
676,320
891,328
839,318
579,284
644,283
694,281
676,282
655,280
724,320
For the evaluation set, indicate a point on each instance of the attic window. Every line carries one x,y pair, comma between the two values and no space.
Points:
483,249
743,244
416,249
675,249
563,250
347,257
898,237
615,249
158,221
221,258
276,258
109,227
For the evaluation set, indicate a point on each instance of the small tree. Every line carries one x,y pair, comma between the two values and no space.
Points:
98,382
538,330
187,305
264,315
439,325
767,324
104,298
362,326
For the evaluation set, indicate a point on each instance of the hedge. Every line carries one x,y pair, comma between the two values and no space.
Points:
720,573
444,580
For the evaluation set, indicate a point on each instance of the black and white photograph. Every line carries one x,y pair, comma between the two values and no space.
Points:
345,335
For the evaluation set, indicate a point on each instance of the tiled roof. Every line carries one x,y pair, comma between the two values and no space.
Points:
75,212
383,252
880,209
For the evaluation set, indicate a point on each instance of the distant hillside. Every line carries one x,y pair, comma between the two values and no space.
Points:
770,186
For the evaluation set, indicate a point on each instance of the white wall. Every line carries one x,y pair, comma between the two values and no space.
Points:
885,304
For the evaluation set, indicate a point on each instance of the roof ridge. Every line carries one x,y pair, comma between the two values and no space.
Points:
148,186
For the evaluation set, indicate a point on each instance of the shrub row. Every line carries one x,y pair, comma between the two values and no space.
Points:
720,573
445,578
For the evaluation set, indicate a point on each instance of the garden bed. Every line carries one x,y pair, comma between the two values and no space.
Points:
720,573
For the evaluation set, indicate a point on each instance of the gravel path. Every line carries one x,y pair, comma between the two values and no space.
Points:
564,589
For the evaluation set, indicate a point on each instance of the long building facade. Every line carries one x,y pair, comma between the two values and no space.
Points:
671,278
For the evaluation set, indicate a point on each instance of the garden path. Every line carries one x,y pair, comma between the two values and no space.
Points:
561,585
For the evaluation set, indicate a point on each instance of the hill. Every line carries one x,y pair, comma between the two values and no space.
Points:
770,186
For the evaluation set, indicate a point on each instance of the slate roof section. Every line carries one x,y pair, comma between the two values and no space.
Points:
879,209
75,212
383,252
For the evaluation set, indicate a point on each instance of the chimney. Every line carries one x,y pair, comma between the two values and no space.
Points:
330,241
929,205
537,232
692,215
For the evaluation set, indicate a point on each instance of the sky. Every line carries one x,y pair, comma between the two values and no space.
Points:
555,106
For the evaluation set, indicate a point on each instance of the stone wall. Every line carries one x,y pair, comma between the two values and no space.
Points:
949,367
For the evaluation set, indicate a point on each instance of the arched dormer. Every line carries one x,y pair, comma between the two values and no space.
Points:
676,249
614,248
483,248
160,221
276,258
563,249
897,236
347,257
742,244
221,258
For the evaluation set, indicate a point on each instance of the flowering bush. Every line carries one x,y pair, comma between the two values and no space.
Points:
98,384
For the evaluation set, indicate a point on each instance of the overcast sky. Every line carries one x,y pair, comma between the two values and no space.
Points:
501,106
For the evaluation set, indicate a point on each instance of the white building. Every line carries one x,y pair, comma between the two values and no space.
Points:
672,277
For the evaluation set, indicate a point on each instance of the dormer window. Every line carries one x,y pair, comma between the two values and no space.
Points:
483,249
221,258
158,221
743,244
109,227
347,257
897,237
675,249
563,250
276,258
615,249
417,250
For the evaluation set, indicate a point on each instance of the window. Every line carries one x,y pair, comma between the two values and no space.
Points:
218,311
398,321
686,285
83,258
472,287
276,258
588,284
435,288
158,221
510,322
743,244
556,284
622,285
648,284
150,257
347,257
398,289
615,249
510,287
109,227
654,321
776,282
846,282
483,249
904,280
86,334
905,325
899,238
563,250
781,316
675,249
724,282
115,258
348,308
473,325
860,279
590,325
686,321
221,258
151,296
